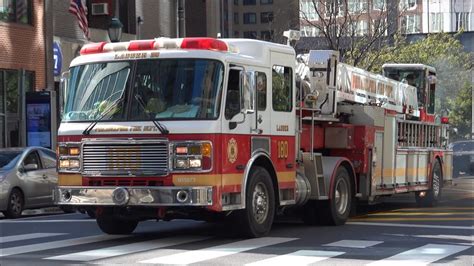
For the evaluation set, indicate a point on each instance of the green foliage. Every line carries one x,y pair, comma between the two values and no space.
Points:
453,66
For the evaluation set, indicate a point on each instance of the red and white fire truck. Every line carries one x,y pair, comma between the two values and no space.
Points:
242,130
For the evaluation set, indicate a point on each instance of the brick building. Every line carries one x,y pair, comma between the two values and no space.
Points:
22,64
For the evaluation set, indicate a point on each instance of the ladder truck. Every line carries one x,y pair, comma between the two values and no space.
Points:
238,130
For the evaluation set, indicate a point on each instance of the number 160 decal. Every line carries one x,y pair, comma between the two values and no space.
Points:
282,149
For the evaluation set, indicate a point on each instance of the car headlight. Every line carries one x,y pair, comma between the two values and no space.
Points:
69,155
192,156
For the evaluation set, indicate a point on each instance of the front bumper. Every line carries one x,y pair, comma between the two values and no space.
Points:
134,196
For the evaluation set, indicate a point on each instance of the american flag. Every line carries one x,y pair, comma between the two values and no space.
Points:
79,8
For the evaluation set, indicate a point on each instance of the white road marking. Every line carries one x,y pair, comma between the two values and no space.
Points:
127,249
413,225
420,256
5,239
218,251
300,257
353,243
56,244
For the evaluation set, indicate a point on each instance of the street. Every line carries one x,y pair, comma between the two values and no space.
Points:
387,234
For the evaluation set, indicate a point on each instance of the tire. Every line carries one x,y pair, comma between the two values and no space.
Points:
334,211
257,218
431,197
68,209
91,213
115,226
16,202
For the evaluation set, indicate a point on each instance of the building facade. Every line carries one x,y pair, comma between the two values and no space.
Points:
23,64
447,15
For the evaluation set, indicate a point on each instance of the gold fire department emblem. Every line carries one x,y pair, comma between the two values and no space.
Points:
232,150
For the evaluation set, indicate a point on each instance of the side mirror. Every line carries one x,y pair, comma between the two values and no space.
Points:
237,119
30,167
247,91
63,92
432,79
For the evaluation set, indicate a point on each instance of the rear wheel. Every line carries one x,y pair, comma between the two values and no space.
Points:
336,210
15,204
431,197
115,226
257,218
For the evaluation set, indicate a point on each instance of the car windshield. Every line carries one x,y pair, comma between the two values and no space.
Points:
463,146
9,158
164,89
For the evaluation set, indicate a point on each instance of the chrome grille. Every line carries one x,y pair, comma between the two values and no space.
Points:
125,159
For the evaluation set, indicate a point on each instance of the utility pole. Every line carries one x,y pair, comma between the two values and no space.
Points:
181,19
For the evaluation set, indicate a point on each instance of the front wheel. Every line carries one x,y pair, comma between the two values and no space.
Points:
431,197
115,226
257,218
15,204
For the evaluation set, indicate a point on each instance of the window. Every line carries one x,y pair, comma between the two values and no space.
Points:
407,4
250,34
266,35
266,2
309,31
250,2
18,11
266,17
48,158
436,21
250,18
462,21
410,24
357,6
308,10
236,33
236,18
379,26
232,102
334,8
379,5
32,158
281,89
236,2
261,90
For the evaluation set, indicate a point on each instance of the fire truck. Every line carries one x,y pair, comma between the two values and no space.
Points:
242,130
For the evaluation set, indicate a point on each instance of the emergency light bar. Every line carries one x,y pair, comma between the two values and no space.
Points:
198,43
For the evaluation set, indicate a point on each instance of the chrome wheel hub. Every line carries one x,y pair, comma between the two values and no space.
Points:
15,203
341,196
260,203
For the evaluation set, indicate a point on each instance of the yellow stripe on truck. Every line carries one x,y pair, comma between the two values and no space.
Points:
69,180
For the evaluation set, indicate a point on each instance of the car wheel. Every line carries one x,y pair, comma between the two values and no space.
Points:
15,204
431,197
115,226
257,218
90,212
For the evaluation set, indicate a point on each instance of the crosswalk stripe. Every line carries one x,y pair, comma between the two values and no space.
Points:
6,239
421,256
56,244
126,249
300,257
218,251
353,243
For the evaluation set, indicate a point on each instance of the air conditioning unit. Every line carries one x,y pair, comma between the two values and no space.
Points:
100,9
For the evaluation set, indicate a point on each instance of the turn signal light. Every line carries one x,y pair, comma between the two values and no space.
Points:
444,120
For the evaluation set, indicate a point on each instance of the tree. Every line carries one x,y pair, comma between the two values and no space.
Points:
353,28
453,66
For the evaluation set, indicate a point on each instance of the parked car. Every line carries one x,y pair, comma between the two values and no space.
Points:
463,158
27,178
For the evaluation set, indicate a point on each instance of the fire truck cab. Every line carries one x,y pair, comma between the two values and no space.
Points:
205,128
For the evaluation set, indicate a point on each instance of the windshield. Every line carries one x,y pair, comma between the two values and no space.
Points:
166,89
8,159
410,76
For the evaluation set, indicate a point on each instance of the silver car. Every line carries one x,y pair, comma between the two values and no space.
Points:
27,178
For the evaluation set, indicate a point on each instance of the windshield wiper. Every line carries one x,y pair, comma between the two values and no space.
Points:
91,126
162,128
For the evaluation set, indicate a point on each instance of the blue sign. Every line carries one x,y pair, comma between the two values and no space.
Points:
58,59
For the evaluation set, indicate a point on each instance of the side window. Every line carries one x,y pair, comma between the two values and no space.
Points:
281,88
32,158
232,102
48,158
261,90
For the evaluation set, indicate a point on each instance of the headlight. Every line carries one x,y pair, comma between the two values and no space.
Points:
69,155
192,156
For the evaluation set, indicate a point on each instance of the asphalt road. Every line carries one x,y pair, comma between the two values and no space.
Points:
390,233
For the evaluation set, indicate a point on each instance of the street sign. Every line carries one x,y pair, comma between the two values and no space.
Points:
58,59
